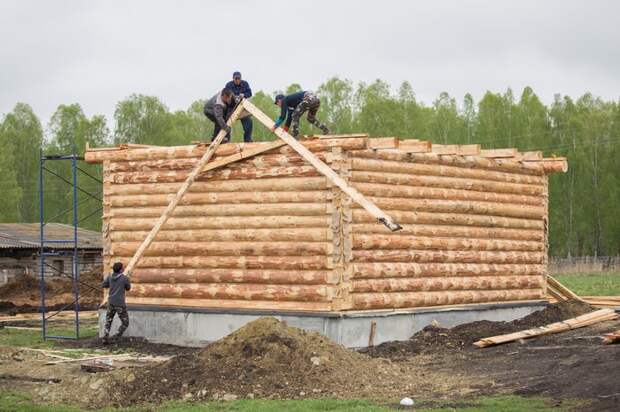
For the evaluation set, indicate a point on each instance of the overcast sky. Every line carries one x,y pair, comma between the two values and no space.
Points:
98,52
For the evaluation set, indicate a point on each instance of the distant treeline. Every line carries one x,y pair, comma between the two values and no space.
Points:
584,212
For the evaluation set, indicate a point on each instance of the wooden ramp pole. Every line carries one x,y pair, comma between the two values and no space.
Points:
198,167
323,168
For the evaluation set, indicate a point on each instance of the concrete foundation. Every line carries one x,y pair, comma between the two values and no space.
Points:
198,327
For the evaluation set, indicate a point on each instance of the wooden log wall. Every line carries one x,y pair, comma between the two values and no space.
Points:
474,230
255,234
270,232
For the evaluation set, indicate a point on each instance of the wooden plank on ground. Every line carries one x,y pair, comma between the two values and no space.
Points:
574,323
323,168
181,192
569,294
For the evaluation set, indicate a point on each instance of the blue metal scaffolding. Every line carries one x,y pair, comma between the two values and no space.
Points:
52,247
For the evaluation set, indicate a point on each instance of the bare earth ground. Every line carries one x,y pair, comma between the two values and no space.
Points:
271,360
22,294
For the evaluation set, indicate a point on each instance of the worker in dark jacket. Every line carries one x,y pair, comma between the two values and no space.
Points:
241,90
294,106
118,283
218,109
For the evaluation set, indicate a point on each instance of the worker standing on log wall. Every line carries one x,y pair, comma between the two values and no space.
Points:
218,109
118,283
241,89
294,106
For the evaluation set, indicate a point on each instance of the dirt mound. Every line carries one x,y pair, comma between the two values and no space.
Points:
22,294
436,339
265,358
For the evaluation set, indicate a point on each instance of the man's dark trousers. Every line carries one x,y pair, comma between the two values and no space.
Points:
246,122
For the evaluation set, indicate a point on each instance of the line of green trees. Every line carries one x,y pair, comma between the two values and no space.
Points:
584,217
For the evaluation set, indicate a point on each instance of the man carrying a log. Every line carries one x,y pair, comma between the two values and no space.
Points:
118,283
218,109
241,89
294,106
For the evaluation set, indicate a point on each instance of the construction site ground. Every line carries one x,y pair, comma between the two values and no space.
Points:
269,360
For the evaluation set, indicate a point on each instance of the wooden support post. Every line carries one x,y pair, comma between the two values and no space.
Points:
323,168
181,192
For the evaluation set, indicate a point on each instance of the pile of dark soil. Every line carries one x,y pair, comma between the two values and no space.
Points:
265,358
22,293
125,344
437,339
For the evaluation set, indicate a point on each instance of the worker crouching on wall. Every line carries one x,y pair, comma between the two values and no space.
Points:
294,106
118,283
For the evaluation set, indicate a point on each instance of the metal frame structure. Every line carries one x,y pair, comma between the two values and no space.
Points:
47,246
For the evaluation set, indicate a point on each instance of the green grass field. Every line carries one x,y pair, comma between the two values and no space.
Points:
16,402
592,284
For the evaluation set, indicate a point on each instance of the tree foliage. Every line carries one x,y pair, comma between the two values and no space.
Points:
583,202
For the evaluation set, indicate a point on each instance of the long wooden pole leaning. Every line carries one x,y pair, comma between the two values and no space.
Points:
198,167
323,168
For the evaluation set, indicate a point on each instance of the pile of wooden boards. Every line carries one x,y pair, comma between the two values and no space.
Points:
291,225
578,322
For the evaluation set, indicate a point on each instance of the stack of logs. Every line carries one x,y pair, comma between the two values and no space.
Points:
270,232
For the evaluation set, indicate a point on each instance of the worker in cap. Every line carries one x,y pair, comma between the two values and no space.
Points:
241,89
118,284
294,106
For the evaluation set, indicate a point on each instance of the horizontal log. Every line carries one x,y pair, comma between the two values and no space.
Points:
446,182
468,162
229,235
127,249
422,299
389,190
310,293
456,149
414,270
497,153
280,184
221,174
389,242
176,152
459,206
285,277
259,161
231,304
455,219
453,231
337,136
414,146
529,156
554,165
447,283
237,262
321,196
222,222
383,142
452,256
230,209
391,166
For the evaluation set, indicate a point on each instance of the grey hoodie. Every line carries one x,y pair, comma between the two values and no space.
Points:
118,284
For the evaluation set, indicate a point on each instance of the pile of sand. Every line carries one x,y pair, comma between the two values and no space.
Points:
265,358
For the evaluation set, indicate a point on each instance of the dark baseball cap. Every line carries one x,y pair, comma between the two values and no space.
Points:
278,97
236,74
